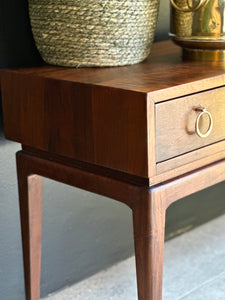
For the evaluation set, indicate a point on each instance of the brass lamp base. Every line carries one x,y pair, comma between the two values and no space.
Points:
203,55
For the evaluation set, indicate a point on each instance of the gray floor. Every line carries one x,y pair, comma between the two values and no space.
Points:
194,269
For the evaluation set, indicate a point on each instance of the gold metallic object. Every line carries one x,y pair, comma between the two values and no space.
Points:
190,7
199,27
203,111
203,55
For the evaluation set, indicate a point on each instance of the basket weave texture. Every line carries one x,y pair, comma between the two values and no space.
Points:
79,33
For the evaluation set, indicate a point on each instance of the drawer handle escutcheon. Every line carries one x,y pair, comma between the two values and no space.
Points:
197,129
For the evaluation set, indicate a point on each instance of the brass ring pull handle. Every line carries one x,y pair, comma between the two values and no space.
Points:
197,129
190,8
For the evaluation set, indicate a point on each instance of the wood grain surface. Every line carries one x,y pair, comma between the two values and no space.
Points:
106,117
161,71
30,197
148,206
118,132
175,123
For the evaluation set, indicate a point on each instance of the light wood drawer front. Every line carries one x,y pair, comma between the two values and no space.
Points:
175,123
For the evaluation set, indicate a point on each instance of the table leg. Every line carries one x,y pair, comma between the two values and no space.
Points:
30,198
148,205
149,228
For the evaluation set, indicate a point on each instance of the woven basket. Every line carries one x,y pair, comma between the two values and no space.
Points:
79,33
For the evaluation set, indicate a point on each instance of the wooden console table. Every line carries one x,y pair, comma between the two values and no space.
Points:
146,135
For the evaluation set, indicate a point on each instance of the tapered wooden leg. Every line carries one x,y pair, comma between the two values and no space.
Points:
149,227
30,197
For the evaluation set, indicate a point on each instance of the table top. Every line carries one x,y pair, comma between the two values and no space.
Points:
109,118
159,74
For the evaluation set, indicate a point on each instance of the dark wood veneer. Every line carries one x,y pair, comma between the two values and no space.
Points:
85,113
119,132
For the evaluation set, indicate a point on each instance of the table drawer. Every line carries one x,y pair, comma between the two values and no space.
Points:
176,132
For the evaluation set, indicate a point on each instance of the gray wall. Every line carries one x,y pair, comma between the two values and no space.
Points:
82,232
